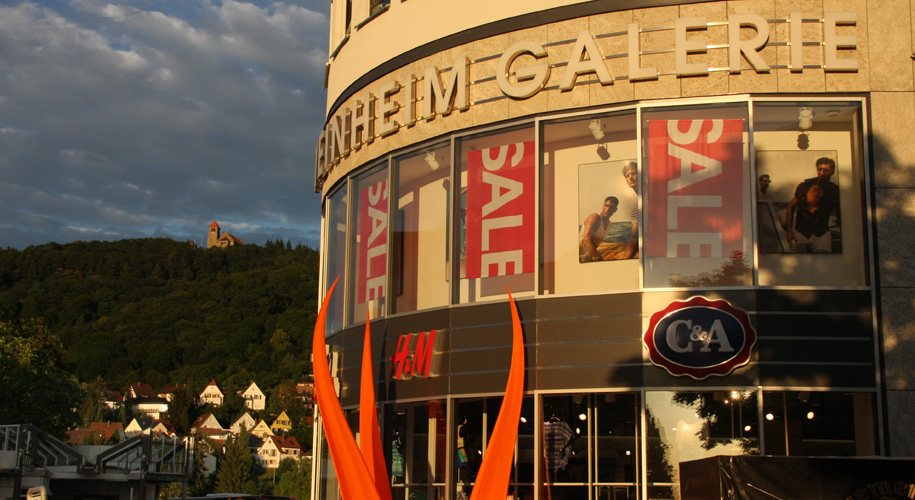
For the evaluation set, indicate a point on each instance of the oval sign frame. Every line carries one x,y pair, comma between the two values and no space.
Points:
682,307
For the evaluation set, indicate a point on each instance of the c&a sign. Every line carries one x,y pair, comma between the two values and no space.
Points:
699,338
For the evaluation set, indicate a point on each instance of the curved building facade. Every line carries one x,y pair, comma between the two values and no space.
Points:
703,210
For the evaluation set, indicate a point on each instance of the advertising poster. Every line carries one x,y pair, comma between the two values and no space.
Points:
500,210
607,211
798,206
373,241
695,186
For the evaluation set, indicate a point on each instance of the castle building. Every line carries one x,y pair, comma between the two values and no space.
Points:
216,238
704,213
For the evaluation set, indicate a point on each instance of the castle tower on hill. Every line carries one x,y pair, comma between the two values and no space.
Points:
215,238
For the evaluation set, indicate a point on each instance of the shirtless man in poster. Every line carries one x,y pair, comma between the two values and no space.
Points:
593,231
631,174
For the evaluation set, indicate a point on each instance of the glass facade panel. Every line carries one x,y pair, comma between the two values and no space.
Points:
470,441
688,425
696,193
810,211
806,423
418,447
591,441
497,215
421,268
368,287
335,256
589,209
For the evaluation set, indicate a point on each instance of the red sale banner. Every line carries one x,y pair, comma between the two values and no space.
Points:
500,210
695,180
373,241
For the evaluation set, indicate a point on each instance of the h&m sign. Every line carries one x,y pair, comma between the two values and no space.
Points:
413,358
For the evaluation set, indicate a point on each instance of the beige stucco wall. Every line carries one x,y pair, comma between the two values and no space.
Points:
885,47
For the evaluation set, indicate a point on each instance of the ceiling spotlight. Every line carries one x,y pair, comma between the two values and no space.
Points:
803,141
805,118
602,152
597,129
432,161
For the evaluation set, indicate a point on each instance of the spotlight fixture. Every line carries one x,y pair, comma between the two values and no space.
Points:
597,129
432,161
803,141
805,118
602,152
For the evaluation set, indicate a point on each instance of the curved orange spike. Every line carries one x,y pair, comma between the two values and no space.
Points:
495,471
369,434
352,473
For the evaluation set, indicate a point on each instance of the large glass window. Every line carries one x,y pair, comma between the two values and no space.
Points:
805,423
590,214
497,215
421,269
696,193
590,441
417,454
369,246
335,256
810,212
474,423
686,425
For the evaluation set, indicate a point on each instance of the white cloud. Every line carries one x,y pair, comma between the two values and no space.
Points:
164,118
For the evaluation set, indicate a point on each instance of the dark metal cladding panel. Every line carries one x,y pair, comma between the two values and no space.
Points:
590,354
590,329
624,304
814,375
597,378
817,301
816,351
852,324
655,376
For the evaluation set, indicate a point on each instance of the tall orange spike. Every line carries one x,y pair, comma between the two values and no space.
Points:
352,473
495,471
369,435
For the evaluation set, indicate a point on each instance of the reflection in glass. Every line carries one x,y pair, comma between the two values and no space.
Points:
471,418
335,256
417,450
819,423
420,264
590,441
688,425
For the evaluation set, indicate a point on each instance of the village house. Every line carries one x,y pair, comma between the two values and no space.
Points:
245,421
212,394
282,423
254,397
276,448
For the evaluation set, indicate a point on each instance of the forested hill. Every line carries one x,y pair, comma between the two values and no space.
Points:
163,312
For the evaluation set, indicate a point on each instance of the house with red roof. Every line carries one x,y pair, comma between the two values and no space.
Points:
276,448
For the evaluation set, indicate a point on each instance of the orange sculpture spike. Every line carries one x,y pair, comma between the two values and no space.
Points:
369,434
495,470
352,472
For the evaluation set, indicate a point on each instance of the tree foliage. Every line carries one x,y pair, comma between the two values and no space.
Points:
35,385
235,469
163,312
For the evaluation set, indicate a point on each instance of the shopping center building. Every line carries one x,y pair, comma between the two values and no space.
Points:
705,212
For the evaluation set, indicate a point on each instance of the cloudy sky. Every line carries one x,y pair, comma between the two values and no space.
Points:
153,118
